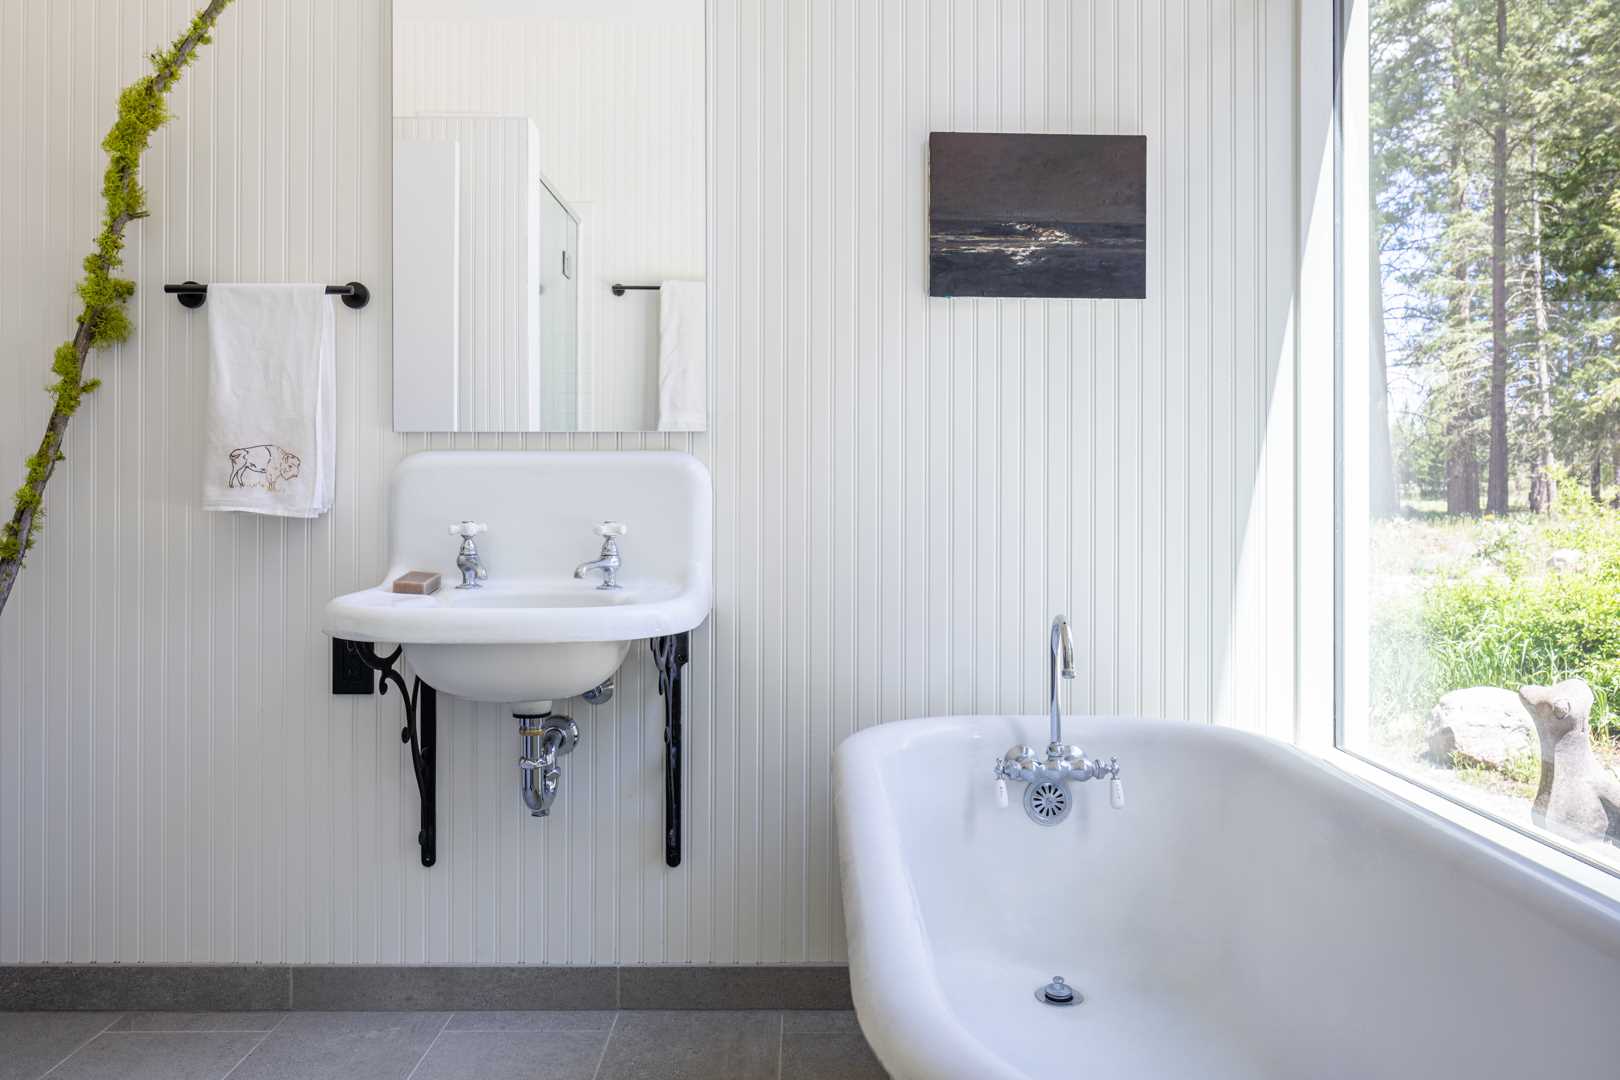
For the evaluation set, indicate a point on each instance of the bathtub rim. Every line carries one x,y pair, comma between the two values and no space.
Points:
1528,866
1587,878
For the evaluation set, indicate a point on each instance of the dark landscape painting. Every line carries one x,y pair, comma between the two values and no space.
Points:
1037,215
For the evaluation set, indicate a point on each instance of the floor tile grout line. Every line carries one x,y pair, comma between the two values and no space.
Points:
534,1031
603,1055
195,1031
133,1034
442,1029
255,1046
82,1045
279,1014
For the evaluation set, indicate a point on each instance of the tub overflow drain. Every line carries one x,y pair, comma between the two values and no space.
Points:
1058,992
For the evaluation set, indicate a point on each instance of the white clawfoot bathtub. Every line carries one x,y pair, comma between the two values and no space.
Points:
1251,912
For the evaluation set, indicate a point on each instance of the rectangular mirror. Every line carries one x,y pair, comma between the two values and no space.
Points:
548,215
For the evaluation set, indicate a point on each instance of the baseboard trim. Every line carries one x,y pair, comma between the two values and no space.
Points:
435,987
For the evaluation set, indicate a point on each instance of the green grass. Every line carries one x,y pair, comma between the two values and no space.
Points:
1461,601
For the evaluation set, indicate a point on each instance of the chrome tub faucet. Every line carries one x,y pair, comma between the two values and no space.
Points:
607,563
1046,795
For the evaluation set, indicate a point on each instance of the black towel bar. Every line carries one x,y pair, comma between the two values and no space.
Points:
192,294
620,290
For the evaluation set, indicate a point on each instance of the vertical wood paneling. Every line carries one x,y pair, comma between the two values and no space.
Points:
906,488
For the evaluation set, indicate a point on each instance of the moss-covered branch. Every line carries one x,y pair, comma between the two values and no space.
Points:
142,109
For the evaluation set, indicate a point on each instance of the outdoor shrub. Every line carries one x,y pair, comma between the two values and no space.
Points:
1531,625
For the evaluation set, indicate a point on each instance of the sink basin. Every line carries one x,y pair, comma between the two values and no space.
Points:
526,595
532,633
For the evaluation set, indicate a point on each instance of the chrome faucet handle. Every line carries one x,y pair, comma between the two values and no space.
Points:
1016,760
610,531
1116,790
607,563
467,559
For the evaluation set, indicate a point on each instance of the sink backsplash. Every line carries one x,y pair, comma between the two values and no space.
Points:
541,518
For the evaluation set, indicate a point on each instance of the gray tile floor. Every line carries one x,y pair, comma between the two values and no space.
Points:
688,1045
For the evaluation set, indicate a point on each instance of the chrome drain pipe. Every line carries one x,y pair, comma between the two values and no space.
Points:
546,738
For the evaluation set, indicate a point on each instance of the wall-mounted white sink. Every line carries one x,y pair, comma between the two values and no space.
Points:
532,632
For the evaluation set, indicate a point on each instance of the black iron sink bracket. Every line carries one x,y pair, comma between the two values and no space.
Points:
420,733
671,654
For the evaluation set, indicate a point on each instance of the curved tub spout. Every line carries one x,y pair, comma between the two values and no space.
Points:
545,739
1062,649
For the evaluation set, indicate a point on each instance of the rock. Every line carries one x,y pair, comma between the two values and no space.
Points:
1485,724
1565,560
1577,797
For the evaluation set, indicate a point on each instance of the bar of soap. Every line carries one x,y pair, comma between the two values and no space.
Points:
417,582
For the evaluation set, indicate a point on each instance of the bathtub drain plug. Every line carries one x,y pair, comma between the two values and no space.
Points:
1058,992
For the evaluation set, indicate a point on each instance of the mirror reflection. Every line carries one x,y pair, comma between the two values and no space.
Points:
549,215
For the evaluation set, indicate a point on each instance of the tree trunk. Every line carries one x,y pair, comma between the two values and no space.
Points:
1616,452
1384,495
1462,452
1462,477
1543,488
1496,497
1596,485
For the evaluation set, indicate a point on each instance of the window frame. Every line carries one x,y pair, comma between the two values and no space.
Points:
1335,257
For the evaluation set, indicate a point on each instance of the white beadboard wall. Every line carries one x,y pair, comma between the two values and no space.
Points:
906,488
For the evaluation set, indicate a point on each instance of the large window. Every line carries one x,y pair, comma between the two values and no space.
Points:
1479,427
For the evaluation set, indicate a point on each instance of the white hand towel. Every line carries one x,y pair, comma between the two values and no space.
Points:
683,356
272,392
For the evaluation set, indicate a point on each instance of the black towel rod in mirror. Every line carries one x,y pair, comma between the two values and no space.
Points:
192,294
620,290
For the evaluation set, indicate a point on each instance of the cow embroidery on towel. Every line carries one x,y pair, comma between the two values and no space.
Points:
265,460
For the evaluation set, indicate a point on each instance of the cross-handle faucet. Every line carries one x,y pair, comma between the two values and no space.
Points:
467,560
1019,763
1061,765
607,563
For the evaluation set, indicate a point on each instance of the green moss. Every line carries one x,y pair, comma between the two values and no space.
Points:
103,320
